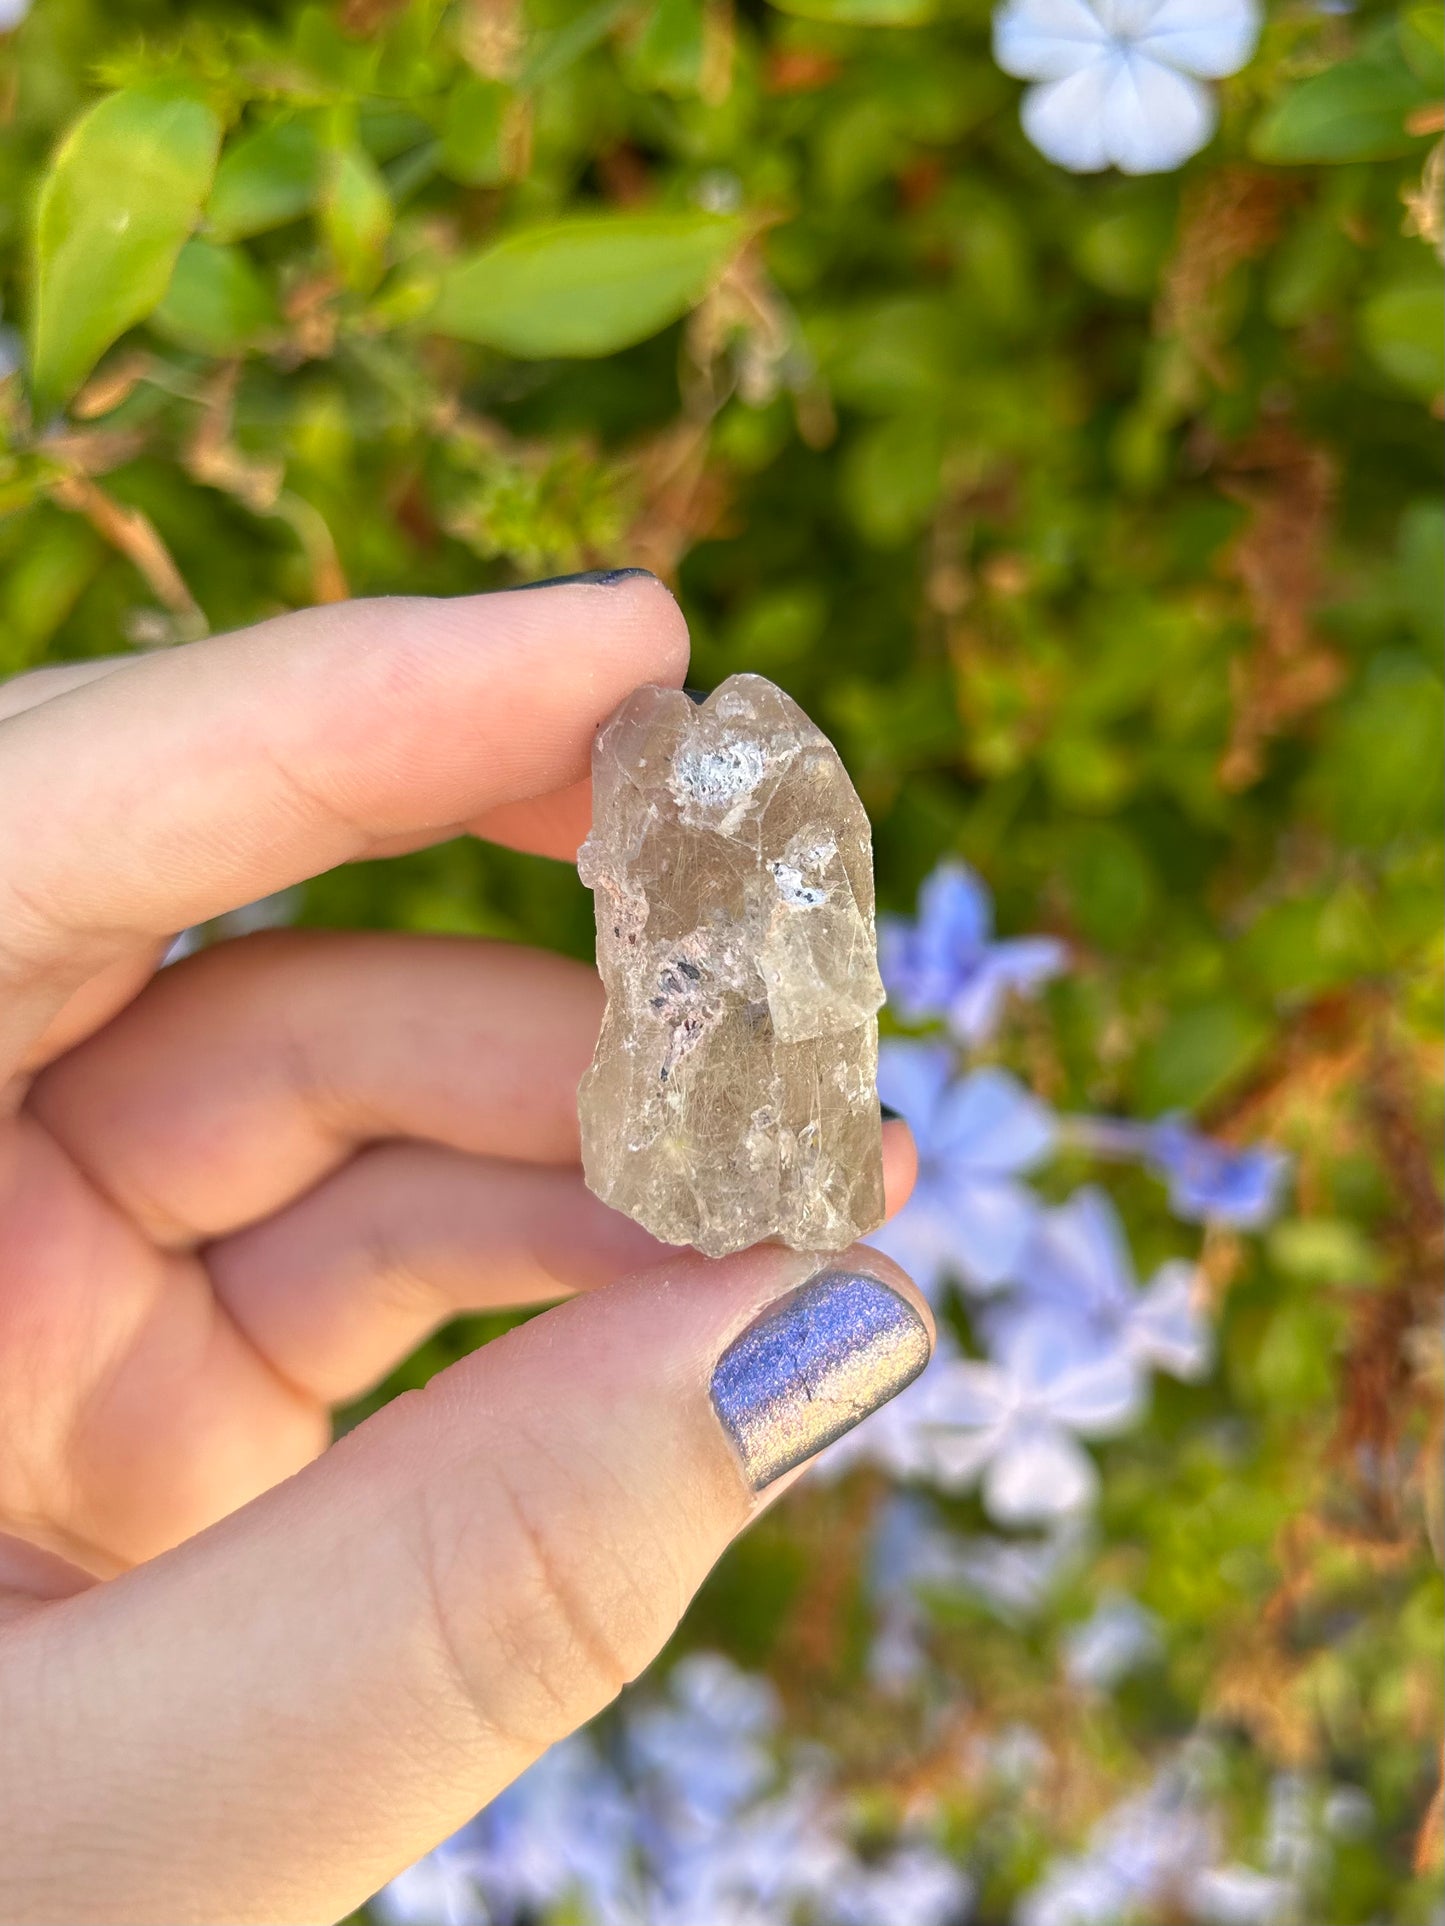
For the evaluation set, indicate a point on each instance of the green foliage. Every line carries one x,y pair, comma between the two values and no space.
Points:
1404,329
123,193
216,301
354,207
1354,112
267,176
1098,520
584,287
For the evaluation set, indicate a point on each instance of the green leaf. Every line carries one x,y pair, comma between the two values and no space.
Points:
1294,1366
265,179
1422,42
672,48
217,302
862,13
124,191
480,144
1308,944
1122,248
1381,777
42,582
1353,112
1420,569
387,129
552,54
890,477
1111,884
1404,330
584,287
1199,1051
1323,1250
356,213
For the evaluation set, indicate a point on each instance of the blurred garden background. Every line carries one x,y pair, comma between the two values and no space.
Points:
1067,440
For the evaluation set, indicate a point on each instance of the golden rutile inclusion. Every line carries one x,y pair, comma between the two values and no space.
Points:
733,1095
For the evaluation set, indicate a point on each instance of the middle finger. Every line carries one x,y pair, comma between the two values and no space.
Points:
241,1077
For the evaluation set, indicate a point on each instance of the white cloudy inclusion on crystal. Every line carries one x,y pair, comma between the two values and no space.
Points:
733,1094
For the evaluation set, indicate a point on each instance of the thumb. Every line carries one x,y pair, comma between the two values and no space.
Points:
271,1720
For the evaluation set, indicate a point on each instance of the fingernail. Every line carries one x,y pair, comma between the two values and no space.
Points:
812,1366
889,1114
589,578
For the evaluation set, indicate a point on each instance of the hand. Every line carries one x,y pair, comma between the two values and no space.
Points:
243,1677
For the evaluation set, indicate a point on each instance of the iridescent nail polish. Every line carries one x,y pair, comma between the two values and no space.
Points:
812,1366
589,578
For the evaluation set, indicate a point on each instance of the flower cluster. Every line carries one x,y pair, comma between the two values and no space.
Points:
691,1816
1159,1853
1070,1336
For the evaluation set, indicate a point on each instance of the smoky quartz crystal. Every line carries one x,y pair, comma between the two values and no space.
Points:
733,1094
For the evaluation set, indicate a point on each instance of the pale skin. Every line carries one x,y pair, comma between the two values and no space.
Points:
245,1677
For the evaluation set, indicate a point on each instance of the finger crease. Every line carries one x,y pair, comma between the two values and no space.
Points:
312,802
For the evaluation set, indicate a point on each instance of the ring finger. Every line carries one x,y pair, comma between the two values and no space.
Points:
242,1077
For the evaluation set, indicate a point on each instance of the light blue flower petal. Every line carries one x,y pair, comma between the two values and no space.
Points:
1065,118
1079,1258
924,962
1062,1371
1166,1330
991,1221
1014,967
955,909
989,1123
966,1393
912,1078
1027,961
1242,1896
1101,1397
1118,1637
920,1239
915,1883
1047,39
1154,118
957,1458
1210,38
1041,1473
1210,1181
974,1010
897,965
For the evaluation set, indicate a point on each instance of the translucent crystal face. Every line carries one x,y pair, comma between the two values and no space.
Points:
733,1094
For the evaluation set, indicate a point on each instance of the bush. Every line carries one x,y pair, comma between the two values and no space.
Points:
1096,517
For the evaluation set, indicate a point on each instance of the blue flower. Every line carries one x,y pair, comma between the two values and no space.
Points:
1077,1270
1071,1349
1118,1638
1150,1849
1159,1853
708,1742
969,1215
1014,1423
916,1884
1120,82
1209,1182
690,1820
564,1830
946,964
916,1555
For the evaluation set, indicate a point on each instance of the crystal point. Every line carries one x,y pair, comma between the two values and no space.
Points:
733,1094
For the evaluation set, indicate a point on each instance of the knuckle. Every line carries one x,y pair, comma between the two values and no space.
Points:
546,1601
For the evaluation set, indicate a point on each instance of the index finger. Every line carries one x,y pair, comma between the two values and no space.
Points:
169,791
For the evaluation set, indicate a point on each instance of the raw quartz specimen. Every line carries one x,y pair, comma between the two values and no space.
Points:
733,1096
